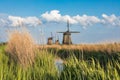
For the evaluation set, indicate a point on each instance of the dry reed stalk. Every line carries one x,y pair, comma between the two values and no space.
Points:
21,48
109,48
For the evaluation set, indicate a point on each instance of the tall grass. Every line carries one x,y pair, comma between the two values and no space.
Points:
21,48
82,70
101,52
92,62
105,47
44,69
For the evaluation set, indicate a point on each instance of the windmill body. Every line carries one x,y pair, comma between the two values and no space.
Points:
67,35
67,38
50,40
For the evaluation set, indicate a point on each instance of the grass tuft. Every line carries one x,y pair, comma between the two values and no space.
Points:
21,48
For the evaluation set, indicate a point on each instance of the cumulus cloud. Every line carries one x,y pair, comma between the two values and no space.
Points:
54,15
3,20
6,20
84,20
111,20
19,21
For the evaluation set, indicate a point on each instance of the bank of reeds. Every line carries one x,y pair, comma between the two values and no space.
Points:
84,51
44,69
80,62
108,47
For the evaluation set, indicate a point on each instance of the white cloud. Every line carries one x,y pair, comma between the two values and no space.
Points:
7,20
84,20
111,20
32,21
54,15
19,21
3,20
71,19
15,21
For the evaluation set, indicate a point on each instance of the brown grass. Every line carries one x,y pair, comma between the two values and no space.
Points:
108,47
21,48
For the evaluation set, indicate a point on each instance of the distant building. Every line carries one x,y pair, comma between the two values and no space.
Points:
57,42
67,35
50,41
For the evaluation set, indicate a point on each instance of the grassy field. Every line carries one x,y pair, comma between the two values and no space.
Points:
92,65
20,59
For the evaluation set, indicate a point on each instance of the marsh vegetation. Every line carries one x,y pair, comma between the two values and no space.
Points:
21,59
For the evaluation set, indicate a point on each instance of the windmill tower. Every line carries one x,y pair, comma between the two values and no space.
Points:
57,40
50,40
67,35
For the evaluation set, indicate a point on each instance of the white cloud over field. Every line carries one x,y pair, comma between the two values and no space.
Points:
55,16
17,21
111,20
84,20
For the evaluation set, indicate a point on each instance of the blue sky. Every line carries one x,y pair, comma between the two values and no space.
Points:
71,7
97,20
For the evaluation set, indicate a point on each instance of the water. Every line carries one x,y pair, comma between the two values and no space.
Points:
59,65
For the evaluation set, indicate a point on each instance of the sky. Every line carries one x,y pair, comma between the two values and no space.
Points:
96,20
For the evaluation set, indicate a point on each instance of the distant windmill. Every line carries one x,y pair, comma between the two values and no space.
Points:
50,40
67,35
57,39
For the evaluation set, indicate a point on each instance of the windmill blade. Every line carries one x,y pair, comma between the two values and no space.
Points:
74,32
60,32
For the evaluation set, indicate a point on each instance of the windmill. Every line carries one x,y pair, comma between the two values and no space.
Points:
67,35
50,40
57,39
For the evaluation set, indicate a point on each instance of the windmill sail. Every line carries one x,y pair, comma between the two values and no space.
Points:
67,35
74,32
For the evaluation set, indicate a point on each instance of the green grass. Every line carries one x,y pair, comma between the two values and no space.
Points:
42,69
74,68
82,70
